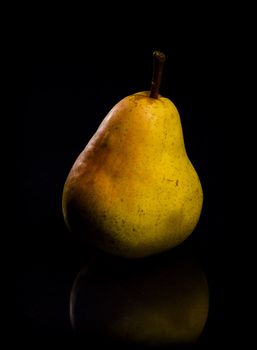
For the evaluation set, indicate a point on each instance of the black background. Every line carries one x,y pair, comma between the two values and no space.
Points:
67,82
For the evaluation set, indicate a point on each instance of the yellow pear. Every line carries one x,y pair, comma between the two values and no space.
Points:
133,190
158,301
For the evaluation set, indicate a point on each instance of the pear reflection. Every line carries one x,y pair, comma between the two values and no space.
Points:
152,302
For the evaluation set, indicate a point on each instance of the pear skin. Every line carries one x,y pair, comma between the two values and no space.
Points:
133,191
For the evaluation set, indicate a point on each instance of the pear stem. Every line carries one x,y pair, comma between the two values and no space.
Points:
158,62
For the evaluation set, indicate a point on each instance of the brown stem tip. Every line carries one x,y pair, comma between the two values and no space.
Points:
158,63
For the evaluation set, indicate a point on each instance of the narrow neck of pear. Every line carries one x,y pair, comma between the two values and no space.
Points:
158,63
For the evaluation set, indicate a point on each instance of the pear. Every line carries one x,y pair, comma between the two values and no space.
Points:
133,191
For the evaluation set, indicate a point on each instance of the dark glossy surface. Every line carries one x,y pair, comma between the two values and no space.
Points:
85,297
59,106
159,301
